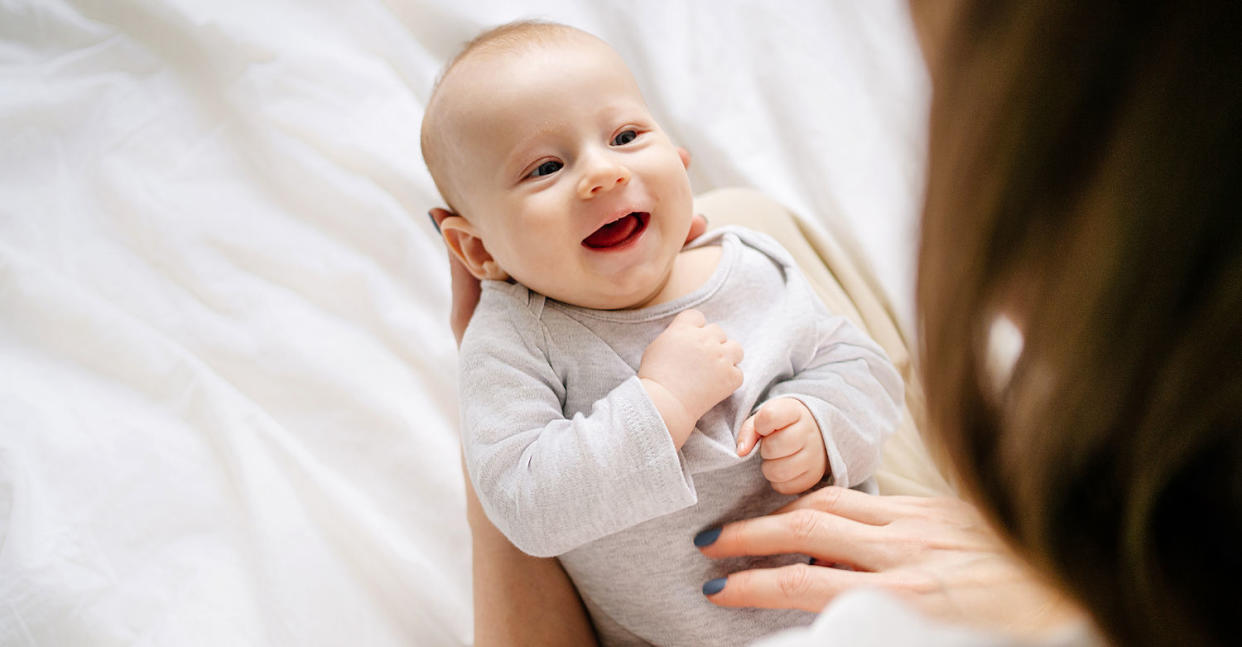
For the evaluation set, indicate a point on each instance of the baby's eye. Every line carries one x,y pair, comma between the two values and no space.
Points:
624,137
547,168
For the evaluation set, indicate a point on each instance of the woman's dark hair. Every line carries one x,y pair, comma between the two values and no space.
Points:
1085,181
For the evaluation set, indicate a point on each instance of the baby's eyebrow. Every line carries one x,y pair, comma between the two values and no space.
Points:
524,149
517,159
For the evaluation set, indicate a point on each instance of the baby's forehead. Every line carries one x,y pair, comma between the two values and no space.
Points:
490,79
504,46
468,79
543,51
458,124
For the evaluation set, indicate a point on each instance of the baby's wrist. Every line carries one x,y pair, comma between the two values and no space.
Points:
678,420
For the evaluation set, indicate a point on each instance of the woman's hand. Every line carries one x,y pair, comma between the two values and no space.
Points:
936,554
465,288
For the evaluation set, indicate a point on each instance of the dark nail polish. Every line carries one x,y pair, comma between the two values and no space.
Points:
712,587
707,537
433,222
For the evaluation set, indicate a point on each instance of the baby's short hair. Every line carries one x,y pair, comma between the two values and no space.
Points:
513,36
510,37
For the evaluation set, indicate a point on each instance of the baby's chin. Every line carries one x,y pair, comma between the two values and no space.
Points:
638,285
641,295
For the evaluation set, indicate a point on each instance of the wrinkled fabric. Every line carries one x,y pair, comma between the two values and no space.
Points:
227,390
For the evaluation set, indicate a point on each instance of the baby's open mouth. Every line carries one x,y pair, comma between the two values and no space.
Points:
619,232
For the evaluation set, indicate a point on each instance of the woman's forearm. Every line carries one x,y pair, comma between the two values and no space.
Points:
518,599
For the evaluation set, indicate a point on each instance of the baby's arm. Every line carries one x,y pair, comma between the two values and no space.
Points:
850,395
688,369
550,483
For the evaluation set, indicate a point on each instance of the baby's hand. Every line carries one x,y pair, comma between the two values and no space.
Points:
688,369
794,458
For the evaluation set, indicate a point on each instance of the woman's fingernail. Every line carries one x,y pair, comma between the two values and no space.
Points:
705,220
707,538
433,222
712,587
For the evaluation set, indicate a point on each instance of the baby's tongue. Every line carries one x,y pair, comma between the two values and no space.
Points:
612,233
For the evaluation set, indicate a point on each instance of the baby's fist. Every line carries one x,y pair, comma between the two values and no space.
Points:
794,458
695,361
688,369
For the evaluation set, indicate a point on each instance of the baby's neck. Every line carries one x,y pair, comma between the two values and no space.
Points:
691,269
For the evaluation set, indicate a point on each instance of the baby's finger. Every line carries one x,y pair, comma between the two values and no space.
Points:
797,586
747,437
782,443
785,469
778,414
797,485
733,352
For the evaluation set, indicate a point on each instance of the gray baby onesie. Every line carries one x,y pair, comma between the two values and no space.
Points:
570,458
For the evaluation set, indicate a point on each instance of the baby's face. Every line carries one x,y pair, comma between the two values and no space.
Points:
574,189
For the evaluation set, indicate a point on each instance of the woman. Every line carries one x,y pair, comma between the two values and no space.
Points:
1084,187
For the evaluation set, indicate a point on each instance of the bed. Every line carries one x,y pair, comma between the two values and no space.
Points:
227,395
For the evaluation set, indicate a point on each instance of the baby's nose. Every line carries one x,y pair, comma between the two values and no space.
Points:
602,178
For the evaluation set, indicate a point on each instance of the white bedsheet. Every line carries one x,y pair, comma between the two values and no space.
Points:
227,395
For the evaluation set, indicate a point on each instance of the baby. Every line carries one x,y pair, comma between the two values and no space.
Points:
605,421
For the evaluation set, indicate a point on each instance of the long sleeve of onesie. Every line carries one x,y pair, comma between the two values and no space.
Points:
854,393
552,483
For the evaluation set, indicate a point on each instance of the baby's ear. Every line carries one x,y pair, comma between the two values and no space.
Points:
464,242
